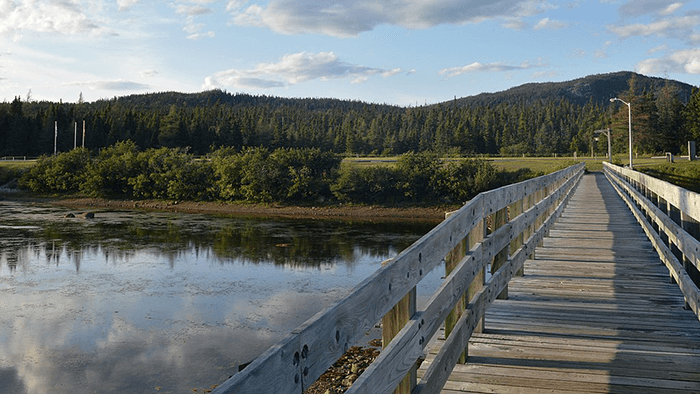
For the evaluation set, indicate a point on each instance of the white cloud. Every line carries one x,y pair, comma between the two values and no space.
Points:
235,5
62,17
126,4
671,8
148,73
659,48
549,24
351,17
685,62
480,67
293,69
635,8
677,27
191,10
515,24
116,85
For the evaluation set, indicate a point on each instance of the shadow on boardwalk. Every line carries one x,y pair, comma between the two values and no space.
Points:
595,313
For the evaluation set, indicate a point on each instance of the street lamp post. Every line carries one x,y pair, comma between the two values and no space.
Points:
607,134
629,117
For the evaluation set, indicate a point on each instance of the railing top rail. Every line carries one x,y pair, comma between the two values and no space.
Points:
302,356
683,199
675,234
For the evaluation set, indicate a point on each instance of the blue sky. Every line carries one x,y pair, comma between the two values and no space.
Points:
404,52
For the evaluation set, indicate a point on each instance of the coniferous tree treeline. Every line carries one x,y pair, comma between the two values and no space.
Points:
526,122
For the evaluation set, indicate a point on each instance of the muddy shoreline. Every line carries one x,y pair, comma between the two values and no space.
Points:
343,212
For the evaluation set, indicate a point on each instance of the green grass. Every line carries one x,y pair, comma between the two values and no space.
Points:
10,170
369,161
683,173
543,165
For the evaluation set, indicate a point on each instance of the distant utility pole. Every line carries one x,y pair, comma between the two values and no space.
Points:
55,136
83,133
75,135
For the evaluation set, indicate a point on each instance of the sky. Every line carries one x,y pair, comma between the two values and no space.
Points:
399,52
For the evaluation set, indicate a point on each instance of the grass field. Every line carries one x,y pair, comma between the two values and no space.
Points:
12,169
543,165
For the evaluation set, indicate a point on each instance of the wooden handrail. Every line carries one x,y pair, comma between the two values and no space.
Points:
677,248
301,357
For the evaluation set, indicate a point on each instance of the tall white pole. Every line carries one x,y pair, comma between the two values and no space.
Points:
75,135
607,132
629,117
55,136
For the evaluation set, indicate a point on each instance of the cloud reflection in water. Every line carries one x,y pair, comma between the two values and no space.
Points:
134,302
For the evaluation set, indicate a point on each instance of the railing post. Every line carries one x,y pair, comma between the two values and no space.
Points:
475,236
392,323
516,209
451,261
541,215
499,219
531,229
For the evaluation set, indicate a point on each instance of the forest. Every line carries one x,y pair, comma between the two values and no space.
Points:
533,119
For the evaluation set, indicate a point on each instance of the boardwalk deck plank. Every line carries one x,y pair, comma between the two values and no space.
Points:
594,313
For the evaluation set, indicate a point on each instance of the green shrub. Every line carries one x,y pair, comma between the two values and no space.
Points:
370,185
459,182
62,173
415,172
108,174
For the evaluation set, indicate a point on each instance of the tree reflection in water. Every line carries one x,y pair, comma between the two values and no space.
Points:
131,301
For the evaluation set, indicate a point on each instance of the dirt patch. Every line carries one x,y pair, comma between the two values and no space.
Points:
338,378
373,213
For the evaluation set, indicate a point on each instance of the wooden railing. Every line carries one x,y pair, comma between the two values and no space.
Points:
520,216
669,216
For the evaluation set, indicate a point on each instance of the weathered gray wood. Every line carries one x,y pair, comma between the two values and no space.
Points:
390,366
392,323
435,377
583,319
684,200
308,351
383,375
673,231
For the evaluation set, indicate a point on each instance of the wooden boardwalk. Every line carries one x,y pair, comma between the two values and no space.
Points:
595,313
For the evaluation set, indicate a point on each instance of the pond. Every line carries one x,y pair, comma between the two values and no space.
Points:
144,302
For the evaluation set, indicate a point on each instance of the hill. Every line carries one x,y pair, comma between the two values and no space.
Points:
598,88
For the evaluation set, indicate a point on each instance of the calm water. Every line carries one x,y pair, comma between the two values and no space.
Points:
136,302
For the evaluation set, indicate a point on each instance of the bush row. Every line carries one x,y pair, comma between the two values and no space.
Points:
258,175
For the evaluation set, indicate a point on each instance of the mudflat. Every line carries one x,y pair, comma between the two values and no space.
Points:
350,212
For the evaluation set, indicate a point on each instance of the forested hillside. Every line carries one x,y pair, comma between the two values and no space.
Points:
533,119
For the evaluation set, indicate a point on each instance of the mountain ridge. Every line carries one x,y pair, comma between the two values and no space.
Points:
598,88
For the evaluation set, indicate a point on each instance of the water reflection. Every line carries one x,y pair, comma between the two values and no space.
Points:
143,302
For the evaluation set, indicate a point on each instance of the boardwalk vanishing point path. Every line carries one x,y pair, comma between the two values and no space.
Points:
594,313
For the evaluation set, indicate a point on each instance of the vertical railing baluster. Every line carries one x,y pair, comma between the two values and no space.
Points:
515,210
392,323
451,261
499,219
